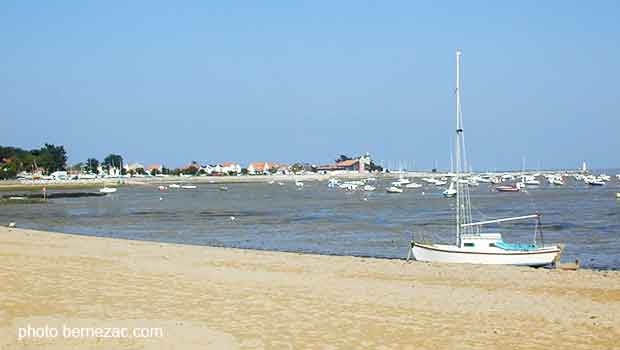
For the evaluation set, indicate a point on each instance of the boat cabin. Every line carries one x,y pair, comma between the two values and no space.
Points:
480,241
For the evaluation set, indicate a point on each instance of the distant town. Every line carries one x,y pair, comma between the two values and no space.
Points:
50,162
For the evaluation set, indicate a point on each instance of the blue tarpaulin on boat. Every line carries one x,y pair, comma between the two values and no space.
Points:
514,246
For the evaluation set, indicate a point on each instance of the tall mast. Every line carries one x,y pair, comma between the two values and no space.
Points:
457,152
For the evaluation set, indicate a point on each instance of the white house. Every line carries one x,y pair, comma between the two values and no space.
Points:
260,168
231,167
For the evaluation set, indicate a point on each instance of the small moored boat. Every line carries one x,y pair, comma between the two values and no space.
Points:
107,190
394,189
507,188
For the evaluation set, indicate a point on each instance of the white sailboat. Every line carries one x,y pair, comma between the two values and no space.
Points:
472,246
450,191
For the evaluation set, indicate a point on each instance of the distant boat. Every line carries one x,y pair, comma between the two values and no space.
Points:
299,184
508,188
450,191
162,188
403,180
107,190
223,188
369,188
174,186
556,180
394,189
413,185
618,195
333,183
189,187
531,181
594,181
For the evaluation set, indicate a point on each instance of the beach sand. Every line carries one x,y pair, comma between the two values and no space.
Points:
217,298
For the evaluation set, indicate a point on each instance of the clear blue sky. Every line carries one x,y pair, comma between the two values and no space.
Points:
285,81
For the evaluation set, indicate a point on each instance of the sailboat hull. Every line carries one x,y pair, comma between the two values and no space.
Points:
492,256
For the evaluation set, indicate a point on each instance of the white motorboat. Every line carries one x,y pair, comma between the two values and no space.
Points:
429,180
413,185
369,188
299,184
441,183
394,189
530,180
348,186
472,246
450,191
594,181
403,181
188,187
107,190
174,186
556,180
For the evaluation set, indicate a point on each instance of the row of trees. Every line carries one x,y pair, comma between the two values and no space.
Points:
47,159
91,165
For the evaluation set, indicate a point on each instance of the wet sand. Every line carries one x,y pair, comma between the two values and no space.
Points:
218,298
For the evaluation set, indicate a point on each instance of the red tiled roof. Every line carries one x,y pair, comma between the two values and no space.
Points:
260,166
153,166
346,163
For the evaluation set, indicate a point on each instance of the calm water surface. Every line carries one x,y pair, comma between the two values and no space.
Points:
316,219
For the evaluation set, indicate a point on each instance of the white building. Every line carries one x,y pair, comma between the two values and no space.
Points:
231,167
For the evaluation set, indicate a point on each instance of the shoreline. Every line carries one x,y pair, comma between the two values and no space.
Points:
226,298
14,185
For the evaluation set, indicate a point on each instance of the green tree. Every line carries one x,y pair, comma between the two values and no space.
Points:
342,158
52,158
91,165
8,171
113,160
297,167
374,167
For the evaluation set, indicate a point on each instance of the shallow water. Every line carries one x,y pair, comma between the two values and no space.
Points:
316,219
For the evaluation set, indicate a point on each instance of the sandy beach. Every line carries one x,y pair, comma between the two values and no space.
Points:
217,298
